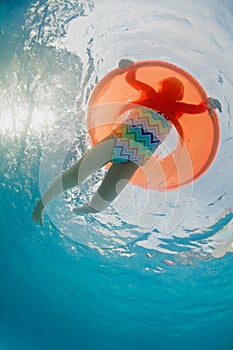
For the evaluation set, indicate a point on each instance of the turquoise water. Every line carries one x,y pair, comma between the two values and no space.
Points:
157,275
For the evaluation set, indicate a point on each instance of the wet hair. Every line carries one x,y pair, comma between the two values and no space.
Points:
172,87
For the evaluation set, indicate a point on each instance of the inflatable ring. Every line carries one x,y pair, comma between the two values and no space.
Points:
191,157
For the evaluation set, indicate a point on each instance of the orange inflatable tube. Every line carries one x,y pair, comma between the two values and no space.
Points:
191,156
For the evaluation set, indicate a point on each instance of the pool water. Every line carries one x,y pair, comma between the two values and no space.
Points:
155,269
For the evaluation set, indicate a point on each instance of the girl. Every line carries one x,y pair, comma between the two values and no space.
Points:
130,145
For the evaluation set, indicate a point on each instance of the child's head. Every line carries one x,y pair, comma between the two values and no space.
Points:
172,88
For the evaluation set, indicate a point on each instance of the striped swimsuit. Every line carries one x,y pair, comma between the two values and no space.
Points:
137,138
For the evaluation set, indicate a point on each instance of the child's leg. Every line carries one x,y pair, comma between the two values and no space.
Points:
115,180
93,160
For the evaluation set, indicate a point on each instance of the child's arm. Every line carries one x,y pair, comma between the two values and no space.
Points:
147,90
192,108
210,105
137,84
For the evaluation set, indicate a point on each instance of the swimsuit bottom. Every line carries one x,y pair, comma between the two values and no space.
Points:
137,138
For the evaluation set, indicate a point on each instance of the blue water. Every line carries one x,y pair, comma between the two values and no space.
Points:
122,279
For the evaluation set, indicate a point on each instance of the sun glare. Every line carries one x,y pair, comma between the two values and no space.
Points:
15,122
41,119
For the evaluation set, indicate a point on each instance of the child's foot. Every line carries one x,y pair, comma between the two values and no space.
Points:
85,209
37,214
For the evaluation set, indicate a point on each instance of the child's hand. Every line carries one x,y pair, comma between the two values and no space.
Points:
213,103
125,64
